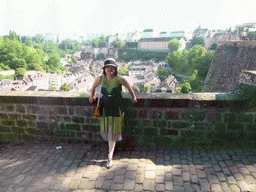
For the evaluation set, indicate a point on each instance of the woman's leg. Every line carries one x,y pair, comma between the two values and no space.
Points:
111,146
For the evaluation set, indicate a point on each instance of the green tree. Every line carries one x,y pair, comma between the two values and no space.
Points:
186,88
162,73
65,87
177,60
123,71
174,45
18,63
38,38
195,81
53,87
146,89
92,69
20,72
95,43
54,63
197,41
100,56
73,58
213,46
125,56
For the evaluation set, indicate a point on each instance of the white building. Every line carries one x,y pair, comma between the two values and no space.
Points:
177,34
150,33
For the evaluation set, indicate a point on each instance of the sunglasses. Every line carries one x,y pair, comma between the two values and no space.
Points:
110,67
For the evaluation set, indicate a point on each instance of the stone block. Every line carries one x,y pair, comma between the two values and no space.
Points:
250,127
160,123
245,117
73,126
3,116
90,127
142,113
229,116
220,126
94,120
180,124
5,129
172,115
81,110
21,123
36,109
30,131
62,110
17,130
66,118
7,107
42,126
236,126
14,116
195,114
20,109
8,122
29,117
78,119
149,131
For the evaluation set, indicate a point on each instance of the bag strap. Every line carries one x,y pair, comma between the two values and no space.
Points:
100,91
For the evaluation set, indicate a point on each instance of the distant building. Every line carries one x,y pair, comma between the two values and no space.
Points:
159,43
51,36
177,34
150,33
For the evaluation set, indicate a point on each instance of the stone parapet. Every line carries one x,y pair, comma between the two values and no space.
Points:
45,116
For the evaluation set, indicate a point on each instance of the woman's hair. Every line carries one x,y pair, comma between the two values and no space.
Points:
115,74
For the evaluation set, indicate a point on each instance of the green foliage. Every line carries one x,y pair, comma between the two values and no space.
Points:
4,67
65,87
125,56
197,41
11,77
100,56
186,88
162,73
73,58
95,43
214,46
53,87
174,44
92,69
20,72
186,62
147,89
123,71
53,63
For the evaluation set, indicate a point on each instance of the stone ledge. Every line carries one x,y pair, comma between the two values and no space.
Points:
208,96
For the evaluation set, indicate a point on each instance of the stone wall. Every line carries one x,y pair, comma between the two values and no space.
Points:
63,116
230,59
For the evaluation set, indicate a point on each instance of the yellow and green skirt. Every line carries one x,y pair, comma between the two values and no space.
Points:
111,127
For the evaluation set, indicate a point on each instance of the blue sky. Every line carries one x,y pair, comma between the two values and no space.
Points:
29,17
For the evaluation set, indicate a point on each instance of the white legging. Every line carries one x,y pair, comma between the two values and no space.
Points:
111,144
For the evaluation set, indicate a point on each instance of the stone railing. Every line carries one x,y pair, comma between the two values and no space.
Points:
48,116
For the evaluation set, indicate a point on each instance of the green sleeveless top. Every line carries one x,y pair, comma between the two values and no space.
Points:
111,101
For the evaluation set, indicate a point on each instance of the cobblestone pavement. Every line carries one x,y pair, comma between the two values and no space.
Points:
82,167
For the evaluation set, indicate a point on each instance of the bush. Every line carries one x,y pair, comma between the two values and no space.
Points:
186,88
213,46
53,87
65,87
20,72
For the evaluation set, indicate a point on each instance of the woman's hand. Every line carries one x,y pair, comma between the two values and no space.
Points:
134,100
92,99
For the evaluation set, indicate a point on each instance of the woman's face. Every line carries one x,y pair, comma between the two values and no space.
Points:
110,70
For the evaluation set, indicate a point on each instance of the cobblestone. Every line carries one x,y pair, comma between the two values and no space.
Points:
38,167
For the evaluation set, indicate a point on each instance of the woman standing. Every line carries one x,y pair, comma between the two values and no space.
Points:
111,120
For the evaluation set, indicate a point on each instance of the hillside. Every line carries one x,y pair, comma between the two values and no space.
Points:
229,60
